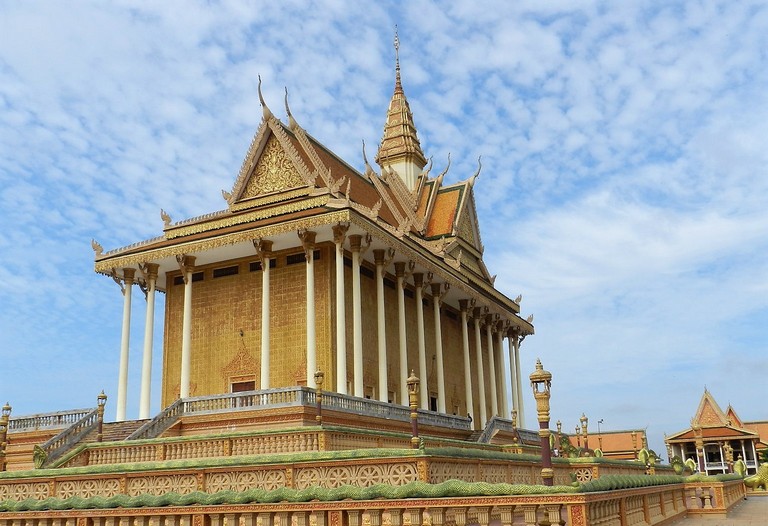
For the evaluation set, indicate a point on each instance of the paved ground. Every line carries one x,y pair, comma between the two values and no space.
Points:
750,512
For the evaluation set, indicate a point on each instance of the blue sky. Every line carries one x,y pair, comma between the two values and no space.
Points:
624,191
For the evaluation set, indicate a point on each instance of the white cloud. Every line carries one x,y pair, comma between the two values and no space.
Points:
623,189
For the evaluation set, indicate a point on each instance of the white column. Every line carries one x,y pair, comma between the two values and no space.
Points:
504,382
187,264
491,365
122,378
378,257
436,300
418,280
480,372
263,249
150,272
308,242
403,346
463,305
339,233
355,242
512,371
519,386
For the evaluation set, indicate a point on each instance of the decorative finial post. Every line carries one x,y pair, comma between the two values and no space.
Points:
577,433
699,441
101,401
398,83
599,435
5,418
413,401
541,382
319,377
584,421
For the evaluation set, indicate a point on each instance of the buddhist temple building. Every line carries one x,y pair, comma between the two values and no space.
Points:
717,439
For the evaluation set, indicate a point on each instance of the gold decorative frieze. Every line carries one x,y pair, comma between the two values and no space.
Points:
270,199
105,266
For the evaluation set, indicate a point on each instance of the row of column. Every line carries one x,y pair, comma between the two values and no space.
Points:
498,374
148,283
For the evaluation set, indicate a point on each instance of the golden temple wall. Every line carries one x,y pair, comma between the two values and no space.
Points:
223,306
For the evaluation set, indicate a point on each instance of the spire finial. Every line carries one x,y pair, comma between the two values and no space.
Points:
398,85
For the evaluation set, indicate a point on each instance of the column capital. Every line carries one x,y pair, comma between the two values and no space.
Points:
379,256
186,264
464,305
263,247
340,232
477,313
355,242
418,279
149,270
400,269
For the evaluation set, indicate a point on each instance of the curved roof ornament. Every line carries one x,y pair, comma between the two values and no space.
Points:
442,174
368,170
292,124
479,167
264,107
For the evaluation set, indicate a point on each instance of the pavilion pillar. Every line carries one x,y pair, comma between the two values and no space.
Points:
437,294
515,350
264,252
355,242
513,376
501,366
418,281
491,365
122,378
480,372
378,257
339,234
187,265
403,346
150,274
307,238
464,307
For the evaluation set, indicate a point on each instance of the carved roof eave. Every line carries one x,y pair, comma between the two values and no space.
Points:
678,437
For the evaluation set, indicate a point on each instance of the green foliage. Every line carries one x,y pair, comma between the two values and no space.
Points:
764,455
450,488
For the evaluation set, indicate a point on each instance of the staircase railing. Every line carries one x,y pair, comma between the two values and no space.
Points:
59,444
46,420
289,397
496,424
165,419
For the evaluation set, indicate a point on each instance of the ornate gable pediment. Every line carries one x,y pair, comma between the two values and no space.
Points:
466,224
709,413
273,166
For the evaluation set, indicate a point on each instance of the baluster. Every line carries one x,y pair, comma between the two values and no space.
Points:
396,518
374,518
246,519
483,515
282,519
153,520
436,516
124,521
554,516
529,514
185,520
45,522
506,514
353,517
300,518
264,519
231,519
413,516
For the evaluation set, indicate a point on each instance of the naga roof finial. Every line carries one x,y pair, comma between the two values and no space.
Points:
292,124
368,169
264,107
479,167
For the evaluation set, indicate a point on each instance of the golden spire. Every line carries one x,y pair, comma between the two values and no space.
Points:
400,148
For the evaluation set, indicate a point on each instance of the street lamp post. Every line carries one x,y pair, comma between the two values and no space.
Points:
5,418
319,377
541,382
101,401
413,400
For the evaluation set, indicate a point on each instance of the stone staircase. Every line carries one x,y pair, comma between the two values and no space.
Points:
113,431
